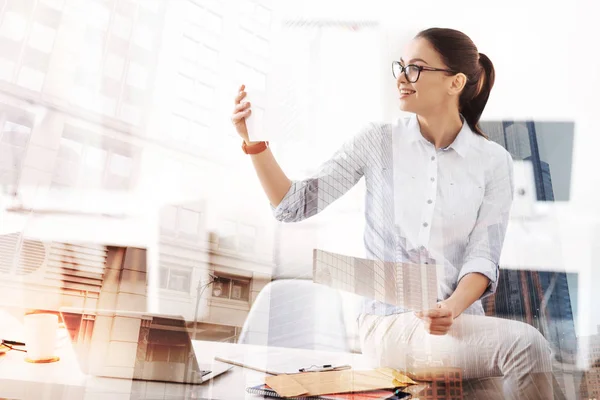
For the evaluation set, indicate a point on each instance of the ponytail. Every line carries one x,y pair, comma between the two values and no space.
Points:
476,94
459,53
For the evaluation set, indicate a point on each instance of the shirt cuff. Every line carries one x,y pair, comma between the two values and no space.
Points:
484,267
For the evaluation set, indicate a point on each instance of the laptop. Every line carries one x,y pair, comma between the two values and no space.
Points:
136,345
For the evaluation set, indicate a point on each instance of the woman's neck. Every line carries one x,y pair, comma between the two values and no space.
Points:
440,129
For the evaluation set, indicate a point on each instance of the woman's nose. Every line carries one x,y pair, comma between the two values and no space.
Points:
401,78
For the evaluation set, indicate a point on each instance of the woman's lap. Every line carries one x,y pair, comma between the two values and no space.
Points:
479,345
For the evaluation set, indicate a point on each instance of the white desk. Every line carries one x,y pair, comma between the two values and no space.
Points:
63,380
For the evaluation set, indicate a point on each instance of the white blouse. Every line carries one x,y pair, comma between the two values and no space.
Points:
447,206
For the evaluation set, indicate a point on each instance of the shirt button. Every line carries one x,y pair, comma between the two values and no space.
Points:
432,158
425,224
429,201
432,179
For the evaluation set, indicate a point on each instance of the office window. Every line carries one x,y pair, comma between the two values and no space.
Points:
227,235
14,138
84,159
176,279
122,26
194,31
205,94
42,38
94,13
188,67
48,16
183,130
143,36
237,236
179,128
246,237
184,86
120,170
94,160
131,113
168,219
137,76
253,77
262,14
180,222
255,16
150,5
186,108
189,48
189,222
208,57
114,66
56,4
7,69
13,26
232,288
210,21
199,134
66,169
253,43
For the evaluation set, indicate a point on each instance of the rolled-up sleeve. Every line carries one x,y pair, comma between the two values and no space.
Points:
334,178
487,237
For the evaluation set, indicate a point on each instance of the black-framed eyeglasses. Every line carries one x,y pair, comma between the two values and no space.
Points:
412,71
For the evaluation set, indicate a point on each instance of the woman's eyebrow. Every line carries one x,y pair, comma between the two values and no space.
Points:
414,60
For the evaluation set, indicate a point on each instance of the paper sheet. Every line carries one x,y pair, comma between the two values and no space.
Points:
409,286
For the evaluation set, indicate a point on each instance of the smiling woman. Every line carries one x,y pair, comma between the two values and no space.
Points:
467,72
438,193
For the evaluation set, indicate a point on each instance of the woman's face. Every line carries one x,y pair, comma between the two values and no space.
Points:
433,89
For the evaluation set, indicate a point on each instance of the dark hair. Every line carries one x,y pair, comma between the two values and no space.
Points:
459,53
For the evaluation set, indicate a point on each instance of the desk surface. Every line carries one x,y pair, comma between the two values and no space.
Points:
64,380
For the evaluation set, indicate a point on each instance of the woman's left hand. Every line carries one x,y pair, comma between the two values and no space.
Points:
438,321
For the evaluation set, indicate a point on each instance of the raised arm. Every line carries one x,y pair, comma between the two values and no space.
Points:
272,178
296,200
333,179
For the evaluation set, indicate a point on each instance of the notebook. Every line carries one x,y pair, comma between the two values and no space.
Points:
266,392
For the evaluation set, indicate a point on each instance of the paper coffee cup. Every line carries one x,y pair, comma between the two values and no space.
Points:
40,337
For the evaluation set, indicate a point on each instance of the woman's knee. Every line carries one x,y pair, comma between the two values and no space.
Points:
535,345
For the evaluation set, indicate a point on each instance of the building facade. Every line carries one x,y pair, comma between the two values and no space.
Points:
121,97
590,385
539,298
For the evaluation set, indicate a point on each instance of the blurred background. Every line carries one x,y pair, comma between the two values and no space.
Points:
115,131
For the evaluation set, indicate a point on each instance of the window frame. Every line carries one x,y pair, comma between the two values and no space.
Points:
169,268
22,119
232,278
97,141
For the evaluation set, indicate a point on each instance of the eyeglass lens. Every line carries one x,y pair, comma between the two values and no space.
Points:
412,72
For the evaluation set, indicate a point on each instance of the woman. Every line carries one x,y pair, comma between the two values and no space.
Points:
438,191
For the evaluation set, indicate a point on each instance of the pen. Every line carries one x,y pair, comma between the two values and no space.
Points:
12,343
325,367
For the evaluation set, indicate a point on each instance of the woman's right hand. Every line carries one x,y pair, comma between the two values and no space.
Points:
240,112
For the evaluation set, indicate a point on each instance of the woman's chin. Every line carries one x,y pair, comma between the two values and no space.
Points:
405,107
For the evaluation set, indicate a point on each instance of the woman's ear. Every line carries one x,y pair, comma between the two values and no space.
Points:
458,83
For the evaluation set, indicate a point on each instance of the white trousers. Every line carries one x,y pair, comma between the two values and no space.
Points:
479,345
